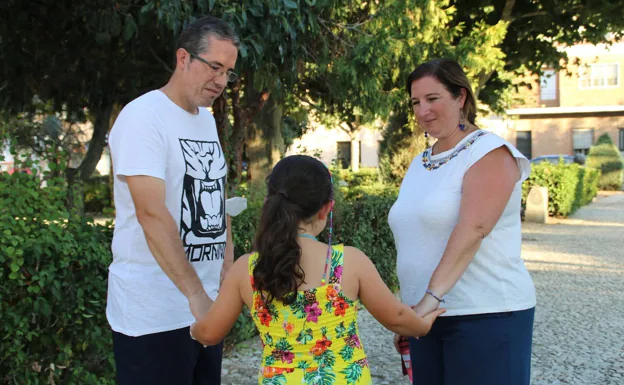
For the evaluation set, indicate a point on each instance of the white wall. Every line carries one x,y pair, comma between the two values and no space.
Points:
321,140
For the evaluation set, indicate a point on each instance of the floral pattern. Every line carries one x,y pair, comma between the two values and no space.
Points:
314,340
437,163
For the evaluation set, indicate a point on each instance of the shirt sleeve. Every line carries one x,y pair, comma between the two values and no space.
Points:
137,143
490,142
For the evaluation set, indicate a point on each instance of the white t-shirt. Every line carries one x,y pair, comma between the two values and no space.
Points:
155,137
424,216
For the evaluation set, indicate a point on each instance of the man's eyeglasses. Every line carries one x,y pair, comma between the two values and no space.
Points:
216,69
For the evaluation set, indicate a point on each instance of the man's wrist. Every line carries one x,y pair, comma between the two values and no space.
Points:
196,292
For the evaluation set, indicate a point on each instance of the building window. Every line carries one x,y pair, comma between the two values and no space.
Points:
582,140
549,87
621,139
344,154
599,76
523,143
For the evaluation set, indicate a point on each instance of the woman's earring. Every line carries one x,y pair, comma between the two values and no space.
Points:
426,135
462,121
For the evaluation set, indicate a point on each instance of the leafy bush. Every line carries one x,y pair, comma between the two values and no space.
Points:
570,186
97,194
53,269
377,189
589,186
364,224
365,176
605,156
365,182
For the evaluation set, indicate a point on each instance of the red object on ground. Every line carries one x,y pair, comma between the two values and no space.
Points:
406,361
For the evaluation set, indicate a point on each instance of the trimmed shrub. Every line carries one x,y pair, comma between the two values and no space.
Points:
365,182
364,224
589,185
605,156
570,186
53,269
363,177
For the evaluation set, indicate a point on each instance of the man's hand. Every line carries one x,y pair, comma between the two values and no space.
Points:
199,303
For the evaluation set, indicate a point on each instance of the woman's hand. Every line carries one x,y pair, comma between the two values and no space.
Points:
431,317
426,305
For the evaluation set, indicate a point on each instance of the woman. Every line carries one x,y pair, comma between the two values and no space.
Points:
303,294
456,224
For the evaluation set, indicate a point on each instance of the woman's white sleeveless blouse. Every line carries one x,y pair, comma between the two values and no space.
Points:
424,216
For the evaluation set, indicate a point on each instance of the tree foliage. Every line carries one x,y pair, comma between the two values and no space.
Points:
347,59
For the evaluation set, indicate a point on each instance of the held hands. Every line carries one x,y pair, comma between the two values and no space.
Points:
426,305
429,319
199,303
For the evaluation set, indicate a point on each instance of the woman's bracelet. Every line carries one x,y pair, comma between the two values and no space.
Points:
441,300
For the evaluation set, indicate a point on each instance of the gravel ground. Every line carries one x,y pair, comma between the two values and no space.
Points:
577,265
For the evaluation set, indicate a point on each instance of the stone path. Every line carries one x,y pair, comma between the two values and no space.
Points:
577,265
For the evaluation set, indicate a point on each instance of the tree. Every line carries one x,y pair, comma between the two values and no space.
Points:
374,46
84,59
530,35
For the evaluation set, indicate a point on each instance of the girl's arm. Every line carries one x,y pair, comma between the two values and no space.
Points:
383,304
213,326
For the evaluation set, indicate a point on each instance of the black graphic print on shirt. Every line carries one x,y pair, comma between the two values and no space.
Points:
202,223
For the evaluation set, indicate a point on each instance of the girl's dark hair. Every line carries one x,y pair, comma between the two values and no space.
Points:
298,187
452,76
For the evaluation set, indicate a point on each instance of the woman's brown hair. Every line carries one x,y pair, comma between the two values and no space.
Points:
452,76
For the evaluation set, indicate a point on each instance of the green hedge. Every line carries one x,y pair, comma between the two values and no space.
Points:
605,156
363,223
53,270
365,176
570,186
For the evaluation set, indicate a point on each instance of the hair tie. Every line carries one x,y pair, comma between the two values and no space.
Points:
283,193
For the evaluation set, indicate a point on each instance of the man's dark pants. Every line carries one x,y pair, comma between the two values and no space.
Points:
167,358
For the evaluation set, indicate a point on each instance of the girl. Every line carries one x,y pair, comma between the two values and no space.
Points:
304,294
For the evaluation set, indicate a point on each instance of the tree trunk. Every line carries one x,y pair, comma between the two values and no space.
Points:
355,145
265,143
273,113
224,129
76,176
355,154
111,181
111,173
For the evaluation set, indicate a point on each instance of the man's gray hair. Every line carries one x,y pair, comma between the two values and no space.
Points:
194,37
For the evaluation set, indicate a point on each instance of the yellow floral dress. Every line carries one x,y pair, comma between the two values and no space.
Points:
313,341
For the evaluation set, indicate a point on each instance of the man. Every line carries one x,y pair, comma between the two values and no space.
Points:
172,240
